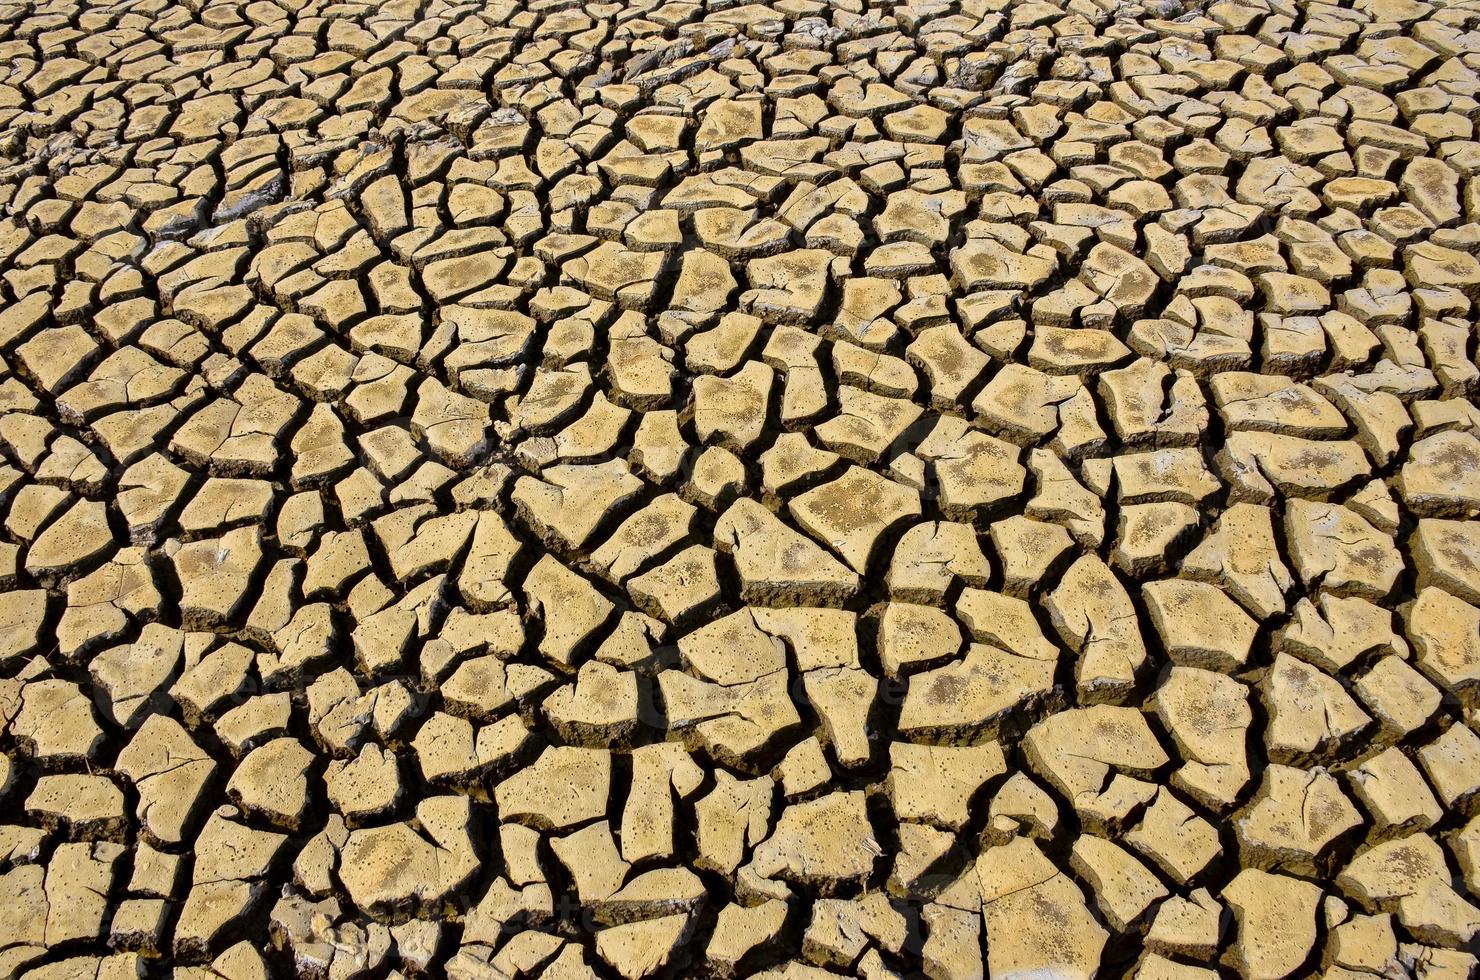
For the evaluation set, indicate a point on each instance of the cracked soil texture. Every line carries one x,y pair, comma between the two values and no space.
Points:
656,488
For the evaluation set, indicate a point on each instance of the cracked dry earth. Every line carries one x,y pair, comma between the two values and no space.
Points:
553,489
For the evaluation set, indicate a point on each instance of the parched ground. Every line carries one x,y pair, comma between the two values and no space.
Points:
553,489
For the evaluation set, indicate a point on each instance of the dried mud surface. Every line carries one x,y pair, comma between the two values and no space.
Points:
552,489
